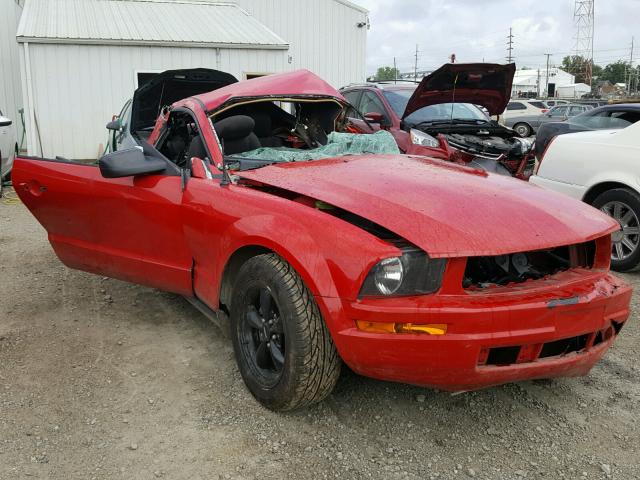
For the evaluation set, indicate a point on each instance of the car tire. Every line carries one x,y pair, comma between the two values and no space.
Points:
271,304
522,129
623,256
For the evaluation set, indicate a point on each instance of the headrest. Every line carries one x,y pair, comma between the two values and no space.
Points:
232,128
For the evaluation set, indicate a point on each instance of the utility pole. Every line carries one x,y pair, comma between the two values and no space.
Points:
395,71
630,69
415,68
546,83
538,85
510,47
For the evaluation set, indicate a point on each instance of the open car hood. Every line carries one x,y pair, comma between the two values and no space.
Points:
486,84
170,86
445,209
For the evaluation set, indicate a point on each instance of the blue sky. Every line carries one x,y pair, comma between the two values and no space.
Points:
477,29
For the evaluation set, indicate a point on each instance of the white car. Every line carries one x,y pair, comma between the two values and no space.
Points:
519,107
600,168
7,146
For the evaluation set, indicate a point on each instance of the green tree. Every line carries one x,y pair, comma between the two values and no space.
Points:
616,72
387,73
576,65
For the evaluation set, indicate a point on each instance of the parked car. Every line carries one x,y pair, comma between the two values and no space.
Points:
600,167
405,268
553,103
602,118
138,115
7,146
528,125
440,117
519,107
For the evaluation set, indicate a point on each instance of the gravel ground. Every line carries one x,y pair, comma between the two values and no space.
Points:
101,379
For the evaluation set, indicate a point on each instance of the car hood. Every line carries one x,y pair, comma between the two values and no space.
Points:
445,209
170,86
486,84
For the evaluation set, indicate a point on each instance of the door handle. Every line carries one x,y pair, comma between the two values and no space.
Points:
33,187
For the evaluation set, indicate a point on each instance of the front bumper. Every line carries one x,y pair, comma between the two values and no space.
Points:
559,327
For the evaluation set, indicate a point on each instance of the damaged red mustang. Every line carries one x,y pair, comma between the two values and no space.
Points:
324,246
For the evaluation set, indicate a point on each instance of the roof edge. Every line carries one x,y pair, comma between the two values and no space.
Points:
352,5
149,43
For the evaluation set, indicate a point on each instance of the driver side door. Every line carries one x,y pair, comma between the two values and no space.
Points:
127,228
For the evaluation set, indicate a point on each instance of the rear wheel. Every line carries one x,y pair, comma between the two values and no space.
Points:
522,129
623,205
284,351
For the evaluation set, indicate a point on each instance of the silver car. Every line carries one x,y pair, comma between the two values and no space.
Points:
527,125
7,146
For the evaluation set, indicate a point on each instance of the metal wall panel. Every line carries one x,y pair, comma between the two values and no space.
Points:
77,88
323,35
10,86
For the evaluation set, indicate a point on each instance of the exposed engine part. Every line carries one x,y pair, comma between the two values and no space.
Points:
486,272
490,146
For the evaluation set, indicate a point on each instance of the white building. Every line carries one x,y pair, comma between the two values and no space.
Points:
531,81
573,90
80,60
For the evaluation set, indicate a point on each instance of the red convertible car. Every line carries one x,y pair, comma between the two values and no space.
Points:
326,247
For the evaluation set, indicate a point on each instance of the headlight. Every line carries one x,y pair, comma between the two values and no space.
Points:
423,139
414,273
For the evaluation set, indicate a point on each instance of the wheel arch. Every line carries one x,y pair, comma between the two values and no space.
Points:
599,188
320,283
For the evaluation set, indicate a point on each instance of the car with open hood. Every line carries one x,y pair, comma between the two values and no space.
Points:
321,246
441,116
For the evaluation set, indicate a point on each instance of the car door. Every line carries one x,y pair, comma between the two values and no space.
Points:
128,228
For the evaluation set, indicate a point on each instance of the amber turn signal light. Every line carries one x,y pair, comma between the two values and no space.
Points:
391,327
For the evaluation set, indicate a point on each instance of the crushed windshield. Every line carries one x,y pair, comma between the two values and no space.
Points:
398,100
338,144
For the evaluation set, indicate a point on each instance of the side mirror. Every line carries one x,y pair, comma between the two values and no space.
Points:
114,125
129,163
198,168
374,117
5,122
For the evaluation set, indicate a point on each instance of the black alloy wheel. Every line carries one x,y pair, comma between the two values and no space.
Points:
283,348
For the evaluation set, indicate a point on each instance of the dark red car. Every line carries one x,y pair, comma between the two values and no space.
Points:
445,116
405,268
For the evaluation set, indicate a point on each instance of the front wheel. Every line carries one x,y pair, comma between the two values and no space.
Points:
284,351
522,129
623,205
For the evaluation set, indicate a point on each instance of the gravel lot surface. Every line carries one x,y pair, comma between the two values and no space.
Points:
101,379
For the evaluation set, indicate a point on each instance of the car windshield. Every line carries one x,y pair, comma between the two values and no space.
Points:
607,119
398,100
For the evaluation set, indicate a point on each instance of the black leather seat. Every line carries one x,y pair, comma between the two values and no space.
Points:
237,134
264,130
196,149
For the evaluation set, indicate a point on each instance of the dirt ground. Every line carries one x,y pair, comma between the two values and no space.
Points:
100,379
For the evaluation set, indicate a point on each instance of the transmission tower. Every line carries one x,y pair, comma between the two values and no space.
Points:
583,17
510,47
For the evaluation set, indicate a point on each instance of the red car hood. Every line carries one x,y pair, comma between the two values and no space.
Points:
299,83
444,209
486,84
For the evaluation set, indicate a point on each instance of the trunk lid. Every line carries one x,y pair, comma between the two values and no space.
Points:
169,87
486,84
